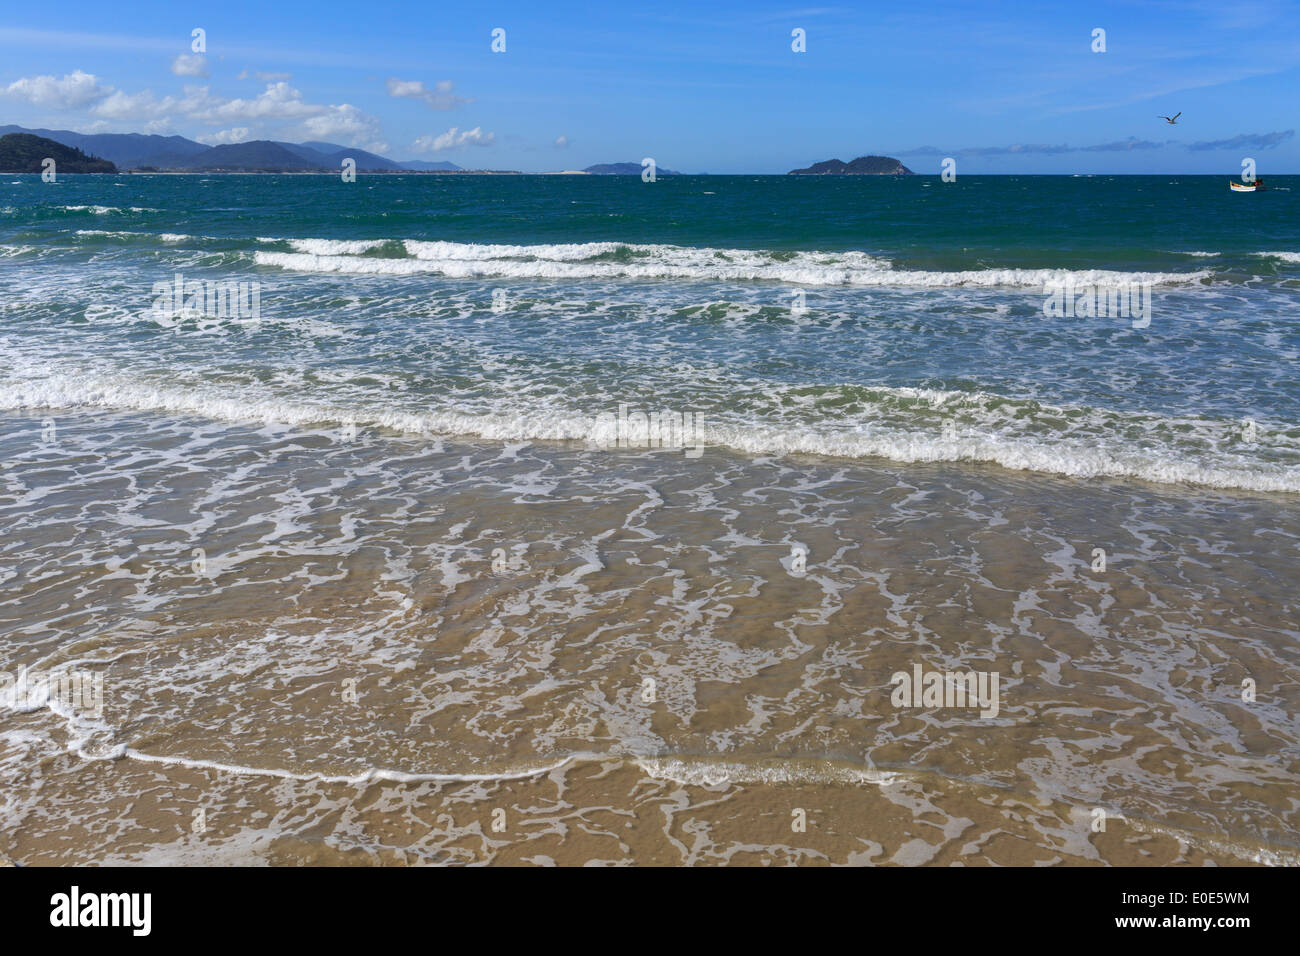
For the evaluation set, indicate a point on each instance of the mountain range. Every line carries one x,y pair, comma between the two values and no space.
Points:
154,153
176,153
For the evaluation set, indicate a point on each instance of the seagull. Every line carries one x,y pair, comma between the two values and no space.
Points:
1172,120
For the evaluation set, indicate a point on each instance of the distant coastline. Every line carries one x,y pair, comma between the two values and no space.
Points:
153,154
156,155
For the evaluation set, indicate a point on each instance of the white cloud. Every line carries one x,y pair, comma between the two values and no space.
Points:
279,106
454,138
76,90
343,122
142,105
561,142
279,101
440,97
190,64
236,134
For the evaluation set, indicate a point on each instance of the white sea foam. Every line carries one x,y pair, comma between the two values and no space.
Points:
1284,256
604,260
1085,454
716,773
366,776
570,252
135,234
107,210
85,738
331,247
1258,853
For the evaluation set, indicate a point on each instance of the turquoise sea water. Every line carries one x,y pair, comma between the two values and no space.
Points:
858,317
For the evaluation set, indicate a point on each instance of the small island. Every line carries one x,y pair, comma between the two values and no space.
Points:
862,166
626,169
25,153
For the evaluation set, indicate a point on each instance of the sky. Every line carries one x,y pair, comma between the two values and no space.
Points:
998,87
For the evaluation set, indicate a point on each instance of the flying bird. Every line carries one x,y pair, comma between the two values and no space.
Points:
1172,120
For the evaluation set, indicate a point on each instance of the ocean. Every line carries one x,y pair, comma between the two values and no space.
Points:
570,519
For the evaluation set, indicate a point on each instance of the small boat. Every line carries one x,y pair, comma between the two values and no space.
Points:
1252,187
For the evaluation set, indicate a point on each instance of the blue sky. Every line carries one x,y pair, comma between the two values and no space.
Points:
1002,87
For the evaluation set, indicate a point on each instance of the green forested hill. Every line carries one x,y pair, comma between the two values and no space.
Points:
23,153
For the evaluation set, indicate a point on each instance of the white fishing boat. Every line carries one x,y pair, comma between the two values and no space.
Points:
1251,187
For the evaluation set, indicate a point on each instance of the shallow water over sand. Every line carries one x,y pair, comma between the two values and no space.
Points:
389,648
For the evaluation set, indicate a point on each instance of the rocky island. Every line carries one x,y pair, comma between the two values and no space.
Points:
862,166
